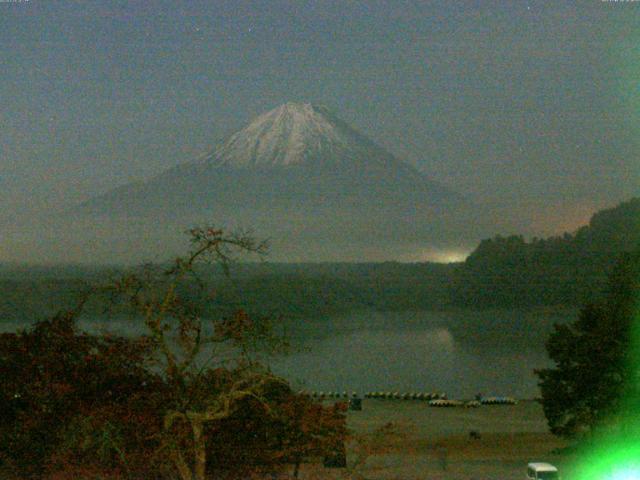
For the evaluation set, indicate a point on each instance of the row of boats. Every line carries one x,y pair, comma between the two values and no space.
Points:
473,403
435,399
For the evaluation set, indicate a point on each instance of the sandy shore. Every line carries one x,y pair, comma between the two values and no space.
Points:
408,440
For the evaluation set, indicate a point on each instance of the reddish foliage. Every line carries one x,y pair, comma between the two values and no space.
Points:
51,374
81,406
294,431
234,328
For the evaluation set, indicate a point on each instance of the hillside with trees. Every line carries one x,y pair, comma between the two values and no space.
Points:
593,383
568,269
502,272
293,290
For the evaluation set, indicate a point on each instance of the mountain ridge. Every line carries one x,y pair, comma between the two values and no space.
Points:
298,175
292,145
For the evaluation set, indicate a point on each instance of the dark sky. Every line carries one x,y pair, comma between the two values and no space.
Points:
520,103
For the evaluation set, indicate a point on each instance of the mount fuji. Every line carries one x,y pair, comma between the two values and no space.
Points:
300,176
296,154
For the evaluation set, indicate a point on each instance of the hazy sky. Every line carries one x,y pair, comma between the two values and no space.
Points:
517,102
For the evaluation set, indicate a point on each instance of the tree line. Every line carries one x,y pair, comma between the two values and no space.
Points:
509,271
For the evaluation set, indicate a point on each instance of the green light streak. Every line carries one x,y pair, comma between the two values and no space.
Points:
614,459
614,452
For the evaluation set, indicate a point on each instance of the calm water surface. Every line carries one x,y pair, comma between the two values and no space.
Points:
461,353
458,352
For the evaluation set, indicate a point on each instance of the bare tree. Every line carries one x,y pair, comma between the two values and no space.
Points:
190,341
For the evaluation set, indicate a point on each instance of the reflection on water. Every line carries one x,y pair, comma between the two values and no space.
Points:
461,353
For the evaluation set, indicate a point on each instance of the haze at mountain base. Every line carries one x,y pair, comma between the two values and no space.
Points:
298,175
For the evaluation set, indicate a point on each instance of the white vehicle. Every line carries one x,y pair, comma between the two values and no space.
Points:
542,471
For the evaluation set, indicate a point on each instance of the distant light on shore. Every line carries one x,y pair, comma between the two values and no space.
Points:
448,256
436,255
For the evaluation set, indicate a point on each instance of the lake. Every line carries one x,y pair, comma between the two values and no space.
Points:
460,352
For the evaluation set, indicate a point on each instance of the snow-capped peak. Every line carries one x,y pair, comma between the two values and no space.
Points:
294,133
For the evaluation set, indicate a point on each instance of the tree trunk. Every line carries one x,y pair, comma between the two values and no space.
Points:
200,453
183,469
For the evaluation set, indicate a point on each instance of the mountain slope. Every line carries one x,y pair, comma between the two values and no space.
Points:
298,175
293,156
